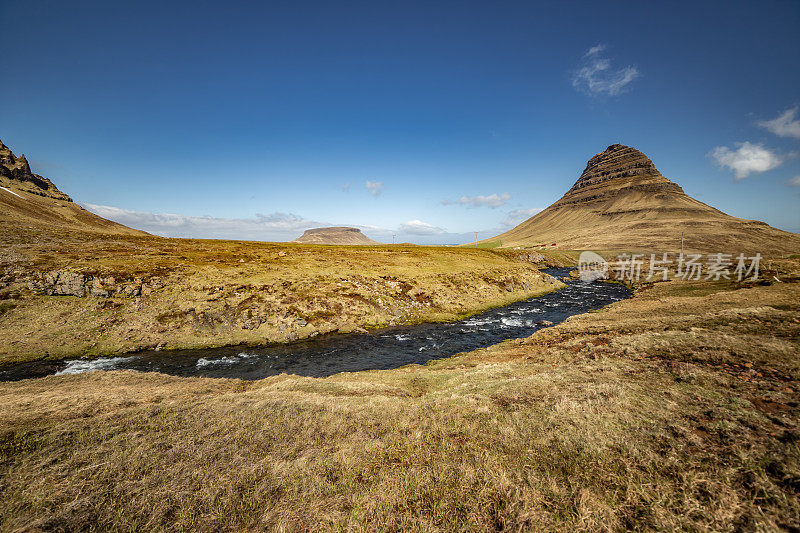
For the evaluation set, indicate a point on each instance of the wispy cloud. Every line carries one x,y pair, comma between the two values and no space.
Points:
795,181
597,77
272,227
492,200
518,215
275,227
418,227
785,125
346,187
595,50
375,188
747,159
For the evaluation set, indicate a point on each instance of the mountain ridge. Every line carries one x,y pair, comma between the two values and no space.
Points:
18,169
622,201
32,200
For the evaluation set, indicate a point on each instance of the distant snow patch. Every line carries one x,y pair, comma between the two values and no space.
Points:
12,192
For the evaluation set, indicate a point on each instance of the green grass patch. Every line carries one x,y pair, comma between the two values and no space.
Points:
488,245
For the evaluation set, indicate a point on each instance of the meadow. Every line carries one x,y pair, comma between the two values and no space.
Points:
676,409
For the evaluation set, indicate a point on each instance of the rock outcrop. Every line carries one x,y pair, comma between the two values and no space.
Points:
17,169
66,283
334,235
622,202
617,170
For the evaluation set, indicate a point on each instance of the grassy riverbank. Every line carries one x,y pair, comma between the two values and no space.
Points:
677,409
126,293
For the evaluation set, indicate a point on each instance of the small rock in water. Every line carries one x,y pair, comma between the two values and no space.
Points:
545,323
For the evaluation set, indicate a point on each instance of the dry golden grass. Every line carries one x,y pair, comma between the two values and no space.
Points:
219,293
677,410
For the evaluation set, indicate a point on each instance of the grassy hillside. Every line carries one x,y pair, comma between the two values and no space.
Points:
594,228
24,207
114,294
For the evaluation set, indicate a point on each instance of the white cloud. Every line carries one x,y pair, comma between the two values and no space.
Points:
346,187
374,187
272,227
595,50
275,227
785,125
747,159
492,200
598,78
518,215
795,181
418,227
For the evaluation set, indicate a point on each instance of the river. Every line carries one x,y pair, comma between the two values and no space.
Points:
379,349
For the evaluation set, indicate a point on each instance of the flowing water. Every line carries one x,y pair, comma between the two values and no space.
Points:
381,349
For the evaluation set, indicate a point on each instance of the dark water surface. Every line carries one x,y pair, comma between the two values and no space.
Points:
382,349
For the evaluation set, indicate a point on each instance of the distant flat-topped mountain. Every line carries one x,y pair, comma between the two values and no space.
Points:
31,200
334,235
622,202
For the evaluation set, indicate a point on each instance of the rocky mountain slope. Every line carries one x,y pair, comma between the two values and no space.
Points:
622,202
33,201
17,172
334,235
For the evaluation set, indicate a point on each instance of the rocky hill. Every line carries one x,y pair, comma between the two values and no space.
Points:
16,171
334,235
622,202
33,201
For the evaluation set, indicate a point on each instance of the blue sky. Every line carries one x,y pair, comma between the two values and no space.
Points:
427,120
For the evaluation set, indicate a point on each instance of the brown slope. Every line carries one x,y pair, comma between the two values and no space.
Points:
334,235
32,200
622,201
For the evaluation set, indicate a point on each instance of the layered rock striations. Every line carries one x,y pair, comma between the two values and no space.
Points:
617,170
622,202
